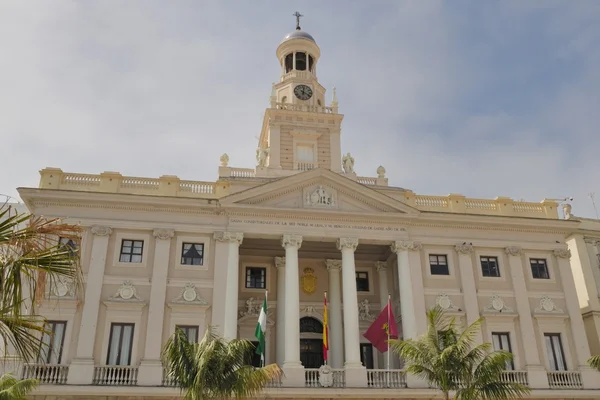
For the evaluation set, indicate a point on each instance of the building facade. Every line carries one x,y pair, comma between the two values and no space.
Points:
584,245
161,253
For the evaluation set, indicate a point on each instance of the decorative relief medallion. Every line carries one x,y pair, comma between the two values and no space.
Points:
291,241
309,281
310,310
445,303
400,246
163,234
333,265
347,243
62,287
497,304
101,230
547,305
513,250
126,292
320,197
279,262
325,376
252,308
364,311
232,237
189,295
562,253
464,248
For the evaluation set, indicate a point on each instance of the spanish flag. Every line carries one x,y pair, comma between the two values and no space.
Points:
325,331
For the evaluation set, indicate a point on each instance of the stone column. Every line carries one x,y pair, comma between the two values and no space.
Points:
384,292
292,367
467,278
537,373
356,373
589,377
81,371
280,323
229,244
150,372
334,299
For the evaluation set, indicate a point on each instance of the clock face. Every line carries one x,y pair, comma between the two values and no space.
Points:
303,92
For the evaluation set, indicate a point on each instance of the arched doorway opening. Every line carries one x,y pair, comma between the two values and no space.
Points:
311,342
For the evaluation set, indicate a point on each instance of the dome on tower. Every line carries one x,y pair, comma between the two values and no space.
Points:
298,34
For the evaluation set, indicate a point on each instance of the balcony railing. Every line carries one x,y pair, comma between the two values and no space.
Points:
565,380
312,375
49,374
112,375
383,378
515,377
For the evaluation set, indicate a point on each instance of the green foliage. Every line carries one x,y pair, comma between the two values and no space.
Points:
595,362
452,362
215,368
13,389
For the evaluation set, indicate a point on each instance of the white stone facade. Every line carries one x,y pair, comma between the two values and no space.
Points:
161,253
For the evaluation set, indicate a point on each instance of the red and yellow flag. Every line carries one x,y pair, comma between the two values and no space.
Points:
325,330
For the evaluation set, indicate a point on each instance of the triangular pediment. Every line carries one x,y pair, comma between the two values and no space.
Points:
319,189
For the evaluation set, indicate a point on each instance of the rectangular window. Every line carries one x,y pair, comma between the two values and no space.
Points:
53,341
131,251
191,332
256,278
192,254
554,350
489,267
539,268
501,341
119,344
68,243
438,264
362,281
366,355
304,154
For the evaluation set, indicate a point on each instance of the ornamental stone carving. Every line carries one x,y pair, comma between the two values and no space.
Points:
231,237
513,250
279,262
347,243
163,234
127,292
445,303
62,286
320,197
325,376
400,246
547,305
310,310
224,160
567,211
497,304
101,230
381,172
464,248
364,311
562,253
381,266
251,308
291,241
309,281
189,295
333,265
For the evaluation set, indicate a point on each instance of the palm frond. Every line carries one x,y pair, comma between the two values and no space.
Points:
594,362
12,388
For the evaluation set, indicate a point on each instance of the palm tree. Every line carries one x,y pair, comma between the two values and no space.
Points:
12,388
450,361
31,257
595,362
215,368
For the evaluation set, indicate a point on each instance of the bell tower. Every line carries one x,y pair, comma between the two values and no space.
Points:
300,132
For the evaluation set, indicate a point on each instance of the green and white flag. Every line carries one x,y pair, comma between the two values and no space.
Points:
261,328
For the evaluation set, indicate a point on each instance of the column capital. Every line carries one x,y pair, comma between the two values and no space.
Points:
291,241
163,234
562,253
231,237
347,243
513,250
400,246
381,266
592,241
279,262
333,265
464,248
98,230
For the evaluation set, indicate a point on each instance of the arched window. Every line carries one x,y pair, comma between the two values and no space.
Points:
310,325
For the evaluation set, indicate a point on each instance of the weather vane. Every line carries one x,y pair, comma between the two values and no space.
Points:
297,15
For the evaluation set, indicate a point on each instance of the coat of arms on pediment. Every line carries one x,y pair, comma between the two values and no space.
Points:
309,281
320,196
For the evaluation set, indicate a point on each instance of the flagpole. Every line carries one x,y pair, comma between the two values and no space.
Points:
325,350
263,356
388,330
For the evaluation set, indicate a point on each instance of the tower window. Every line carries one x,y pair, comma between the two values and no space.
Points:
301,61
304,153
289,62
310,63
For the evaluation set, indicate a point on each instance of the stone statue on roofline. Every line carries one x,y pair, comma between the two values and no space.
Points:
348,163
262,153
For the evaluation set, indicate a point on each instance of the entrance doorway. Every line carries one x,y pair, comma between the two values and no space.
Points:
311,342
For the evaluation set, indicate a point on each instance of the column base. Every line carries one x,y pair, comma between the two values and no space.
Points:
150,373
590,378
537,376
356,376
414,382
293,375
81,371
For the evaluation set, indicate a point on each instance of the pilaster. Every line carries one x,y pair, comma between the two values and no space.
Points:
467,278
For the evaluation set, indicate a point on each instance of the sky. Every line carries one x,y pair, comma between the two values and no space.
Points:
484,99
